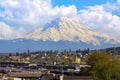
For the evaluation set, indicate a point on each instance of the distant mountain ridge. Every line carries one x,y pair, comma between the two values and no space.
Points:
22,45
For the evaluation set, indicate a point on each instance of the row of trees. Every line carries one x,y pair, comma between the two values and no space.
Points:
103,66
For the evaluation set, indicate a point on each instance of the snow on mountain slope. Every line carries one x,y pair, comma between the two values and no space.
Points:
66,29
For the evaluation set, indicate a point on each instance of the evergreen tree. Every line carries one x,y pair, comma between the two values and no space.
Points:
28,52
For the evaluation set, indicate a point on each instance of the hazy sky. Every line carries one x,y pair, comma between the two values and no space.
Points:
22,16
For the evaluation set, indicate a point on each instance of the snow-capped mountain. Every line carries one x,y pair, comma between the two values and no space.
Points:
67,29
60,34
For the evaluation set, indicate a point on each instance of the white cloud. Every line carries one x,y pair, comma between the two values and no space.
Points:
66,11
98,19
7,32
26,12
112,7
33,13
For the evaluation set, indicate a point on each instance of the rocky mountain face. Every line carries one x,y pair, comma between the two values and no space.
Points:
67,29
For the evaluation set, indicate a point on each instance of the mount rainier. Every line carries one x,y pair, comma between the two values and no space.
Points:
61,33
67,29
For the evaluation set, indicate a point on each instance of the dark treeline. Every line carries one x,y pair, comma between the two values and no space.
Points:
28,52
111,50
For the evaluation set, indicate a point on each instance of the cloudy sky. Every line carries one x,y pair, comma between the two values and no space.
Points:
22,16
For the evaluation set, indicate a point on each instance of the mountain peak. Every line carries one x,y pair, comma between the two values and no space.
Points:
57,23
67,29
